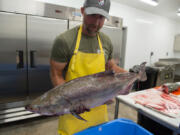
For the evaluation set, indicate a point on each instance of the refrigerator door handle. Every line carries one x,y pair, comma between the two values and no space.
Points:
19,59
32,59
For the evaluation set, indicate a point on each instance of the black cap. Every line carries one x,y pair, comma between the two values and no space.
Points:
97,7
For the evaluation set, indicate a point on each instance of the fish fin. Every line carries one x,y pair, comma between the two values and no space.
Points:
78,116
108,102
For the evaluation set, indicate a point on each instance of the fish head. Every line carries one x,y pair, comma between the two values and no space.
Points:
41,109
47,107
48,110
37,109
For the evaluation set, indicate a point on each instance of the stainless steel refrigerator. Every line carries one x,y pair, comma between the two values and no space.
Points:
25,46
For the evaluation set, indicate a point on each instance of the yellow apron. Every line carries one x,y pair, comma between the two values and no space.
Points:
82,64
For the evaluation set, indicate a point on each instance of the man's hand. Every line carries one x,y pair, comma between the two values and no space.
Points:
111,65
109,102
81,109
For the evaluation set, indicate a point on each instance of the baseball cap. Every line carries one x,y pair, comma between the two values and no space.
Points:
97,7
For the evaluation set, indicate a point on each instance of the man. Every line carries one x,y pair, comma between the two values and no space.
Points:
82,51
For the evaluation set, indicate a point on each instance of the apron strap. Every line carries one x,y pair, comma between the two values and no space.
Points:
78,40
100,44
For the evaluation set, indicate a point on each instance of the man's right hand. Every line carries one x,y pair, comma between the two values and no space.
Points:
81,109
109,102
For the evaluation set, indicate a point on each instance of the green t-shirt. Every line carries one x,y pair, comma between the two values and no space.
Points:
64,45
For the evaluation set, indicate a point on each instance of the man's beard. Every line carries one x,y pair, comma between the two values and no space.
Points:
88,29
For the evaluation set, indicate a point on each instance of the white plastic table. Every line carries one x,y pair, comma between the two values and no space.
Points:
169,122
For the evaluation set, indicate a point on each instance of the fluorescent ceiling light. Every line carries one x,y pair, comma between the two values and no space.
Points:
150,2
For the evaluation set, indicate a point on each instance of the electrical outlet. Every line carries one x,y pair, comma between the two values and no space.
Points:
152,53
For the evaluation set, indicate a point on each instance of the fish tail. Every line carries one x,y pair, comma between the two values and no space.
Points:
142,74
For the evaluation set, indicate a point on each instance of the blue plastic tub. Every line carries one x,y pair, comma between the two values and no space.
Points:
116,127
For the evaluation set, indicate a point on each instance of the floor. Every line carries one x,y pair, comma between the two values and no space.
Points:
48,125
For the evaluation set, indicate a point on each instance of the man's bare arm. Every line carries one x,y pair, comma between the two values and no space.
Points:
111,65
56,72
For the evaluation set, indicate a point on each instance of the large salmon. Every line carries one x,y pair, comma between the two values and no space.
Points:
89,91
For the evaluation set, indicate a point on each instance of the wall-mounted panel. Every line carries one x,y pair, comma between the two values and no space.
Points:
177,43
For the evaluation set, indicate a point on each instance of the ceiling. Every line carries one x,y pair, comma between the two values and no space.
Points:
167,8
